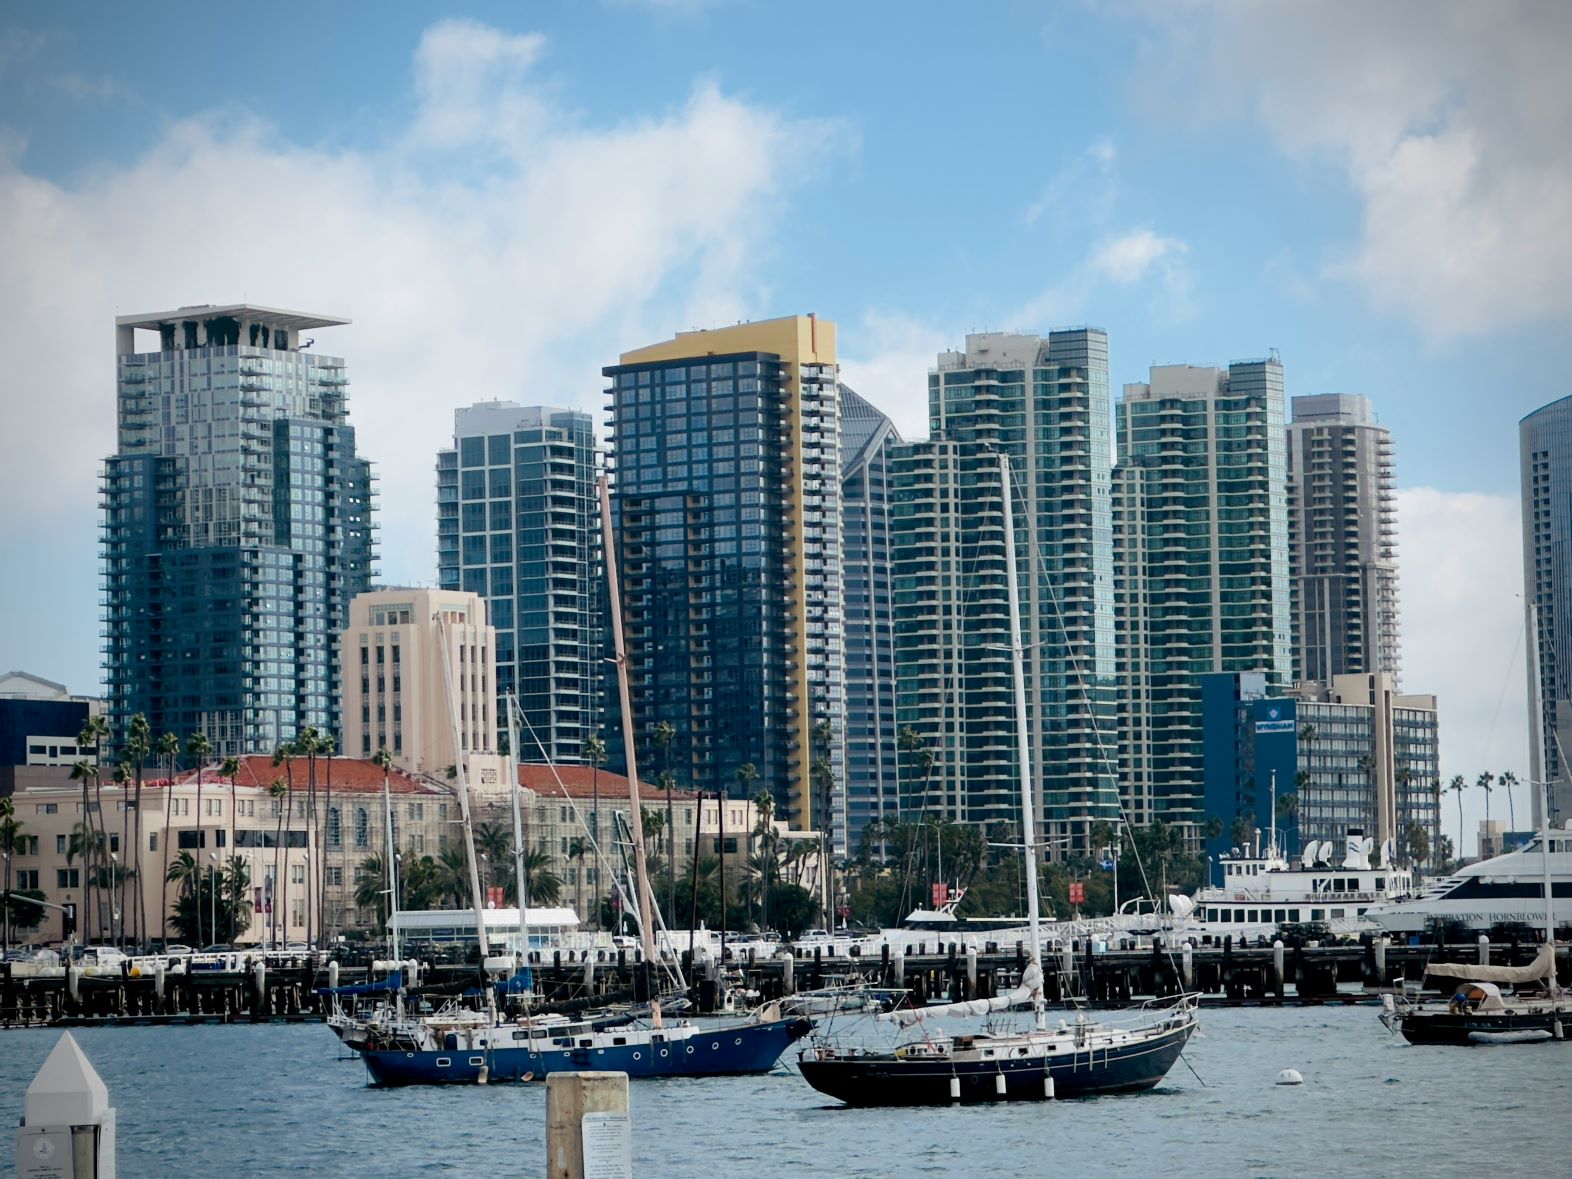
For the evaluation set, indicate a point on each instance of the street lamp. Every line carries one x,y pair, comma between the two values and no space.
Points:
114,913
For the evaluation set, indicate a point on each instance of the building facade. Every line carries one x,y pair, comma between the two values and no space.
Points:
728,533
870,791
40,722
236,526
1343,532
1202,577
518,523
397,692
1045,404
1353,754
1545,444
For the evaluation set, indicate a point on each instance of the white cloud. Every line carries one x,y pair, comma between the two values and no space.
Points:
1462,610
515,278
1081,191
1452,121
1127,257
889,365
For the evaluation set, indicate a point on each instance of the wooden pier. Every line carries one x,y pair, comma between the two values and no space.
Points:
1102,975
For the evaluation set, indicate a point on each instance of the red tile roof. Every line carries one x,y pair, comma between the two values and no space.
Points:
350,775
578,781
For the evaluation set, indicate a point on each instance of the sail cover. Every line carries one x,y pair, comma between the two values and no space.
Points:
1542,967
1030,989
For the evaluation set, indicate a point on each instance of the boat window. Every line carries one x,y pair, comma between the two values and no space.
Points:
1380,883
1280,915
1254,915
1318,914
584,1043
521,1034
622,1039
1336,913
1293,914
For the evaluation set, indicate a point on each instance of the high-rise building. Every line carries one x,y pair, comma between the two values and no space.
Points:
727,498
1202,578
1044,403
1341,514
518,523
1545,440
396,692
237,526
871,788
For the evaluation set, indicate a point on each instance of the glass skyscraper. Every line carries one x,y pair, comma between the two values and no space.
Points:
728,508
1342,526
1201,522
1545,441
236,527
1045,403
872,786
518,523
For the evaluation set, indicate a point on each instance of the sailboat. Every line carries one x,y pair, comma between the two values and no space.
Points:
1076,1058
463,1049
1479,1012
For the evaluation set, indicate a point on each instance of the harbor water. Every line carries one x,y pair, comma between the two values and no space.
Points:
282,1100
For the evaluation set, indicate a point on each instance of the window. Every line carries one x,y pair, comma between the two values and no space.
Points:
189,840
27,878
68,878
362,827
335,876
49,808
335,828
297,872
60,845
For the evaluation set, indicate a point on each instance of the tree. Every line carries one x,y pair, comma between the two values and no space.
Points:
1418,842
495,843
373,888
278,794
664,734
217,901
578,848
795,908
85,771
1483,782
767,839
1459,784
199,749
284,756
544,885
17,913
186,872
1508,781
168,750
139,747
453,877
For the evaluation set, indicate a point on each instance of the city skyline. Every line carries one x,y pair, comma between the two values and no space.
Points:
1322,247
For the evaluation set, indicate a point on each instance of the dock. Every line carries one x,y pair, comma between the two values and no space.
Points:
1094,973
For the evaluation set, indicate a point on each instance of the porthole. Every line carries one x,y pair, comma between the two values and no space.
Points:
690,1049
663,1052
738,1040
636,1056
443,1062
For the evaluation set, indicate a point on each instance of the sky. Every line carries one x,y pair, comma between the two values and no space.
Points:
504,197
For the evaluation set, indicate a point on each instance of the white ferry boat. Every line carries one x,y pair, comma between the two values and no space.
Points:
1506,890
1262,891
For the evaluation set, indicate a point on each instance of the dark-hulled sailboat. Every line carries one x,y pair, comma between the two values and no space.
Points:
1076,1058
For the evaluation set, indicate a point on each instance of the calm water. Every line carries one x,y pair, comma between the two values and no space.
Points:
279,1101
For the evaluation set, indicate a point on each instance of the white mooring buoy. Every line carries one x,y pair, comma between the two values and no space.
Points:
1290,1076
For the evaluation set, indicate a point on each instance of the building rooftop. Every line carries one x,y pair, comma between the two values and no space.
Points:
578,781
249,312
351,775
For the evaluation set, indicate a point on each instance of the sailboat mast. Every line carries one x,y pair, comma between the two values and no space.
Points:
636,818
390,873
515,790
463,792
1028,809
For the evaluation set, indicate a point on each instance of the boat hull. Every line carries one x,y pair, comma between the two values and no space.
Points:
1502,1027
753,1048
885,1079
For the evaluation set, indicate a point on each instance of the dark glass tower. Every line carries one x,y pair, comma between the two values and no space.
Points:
518,523
1545,440
872,786
236,528
727,496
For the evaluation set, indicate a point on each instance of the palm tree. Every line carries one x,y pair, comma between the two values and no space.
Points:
374,889
285,756
495,842
1508,781
85,772
1483,782
665,733
186,871
330,751
384,759
453,876
119,876
278,791
10,840
168,751
1458,784
234,895
764,831
578,848
543,885
139,747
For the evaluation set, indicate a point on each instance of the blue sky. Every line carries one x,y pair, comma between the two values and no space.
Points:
503,197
